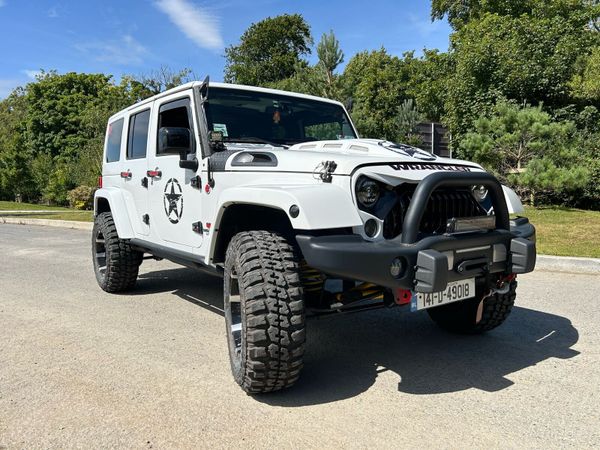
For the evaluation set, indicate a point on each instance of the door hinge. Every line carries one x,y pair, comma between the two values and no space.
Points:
146,219
196,182
145,182
197,227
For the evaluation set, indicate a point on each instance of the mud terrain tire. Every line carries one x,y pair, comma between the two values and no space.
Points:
264,311
116,264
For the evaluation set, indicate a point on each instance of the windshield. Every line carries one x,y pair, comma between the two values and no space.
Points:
250,116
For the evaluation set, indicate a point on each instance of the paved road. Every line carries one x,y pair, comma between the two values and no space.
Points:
81,368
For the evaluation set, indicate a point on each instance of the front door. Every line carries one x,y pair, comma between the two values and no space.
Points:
175,196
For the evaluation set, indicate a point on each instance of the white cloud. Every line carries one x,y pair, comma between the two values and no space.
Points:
2,3
31,74
125,51
197,24
52,12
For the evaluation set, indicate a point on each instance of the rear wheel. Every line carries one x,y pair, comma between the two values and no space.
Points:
461,317
264,311
116,264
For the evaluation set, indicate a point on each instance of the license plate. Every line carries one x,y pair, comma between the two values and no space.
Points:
456,291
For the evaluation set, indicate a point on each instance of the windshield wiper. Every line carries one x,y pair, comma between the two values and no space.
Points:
256,140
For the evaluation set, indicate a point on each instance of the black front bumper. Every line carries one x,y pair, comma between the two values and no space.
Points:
427,264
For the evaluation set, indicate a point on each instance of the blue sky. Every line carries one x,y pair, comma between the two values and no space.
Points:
137,36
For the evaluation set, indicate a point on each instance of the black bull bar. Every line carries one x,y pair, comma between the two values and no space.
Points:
428,263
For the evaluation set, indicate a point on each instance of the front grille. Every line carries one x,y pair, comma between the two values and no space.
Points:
444,204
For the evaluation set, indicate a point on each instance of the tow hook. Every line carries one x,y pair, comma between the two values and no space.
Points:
503,285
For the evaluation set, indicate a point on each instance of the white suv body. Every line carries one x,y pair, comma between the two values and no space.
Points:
197,173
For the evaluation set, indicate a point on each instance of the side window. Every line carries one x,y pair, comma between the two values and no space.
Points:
137,139
113,140
174,114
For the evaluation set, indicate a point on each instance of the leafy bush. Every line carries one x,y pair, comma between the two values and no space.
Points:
82,197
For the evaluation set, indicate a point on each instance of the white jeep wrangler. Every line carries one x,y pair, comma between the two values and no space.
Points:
276,193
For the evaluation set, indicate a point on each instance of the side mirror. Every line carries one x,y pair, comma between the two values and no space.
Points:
174,140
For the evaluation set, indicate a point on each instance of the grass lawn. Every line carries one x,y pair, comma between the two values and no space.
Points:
14,206
57,212
566,231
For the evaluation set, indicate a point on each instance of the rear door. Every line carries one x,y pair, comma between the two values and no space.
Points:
134,166
175,196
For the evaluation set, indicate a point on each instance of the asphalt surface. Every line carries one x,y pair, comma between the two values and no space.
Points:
80,368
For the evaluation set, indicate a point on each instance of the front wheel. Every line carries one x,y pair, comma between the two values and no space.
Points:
461,317
264,311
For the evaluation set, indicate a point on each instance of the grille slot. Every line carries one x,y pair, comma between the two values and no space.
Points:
444,204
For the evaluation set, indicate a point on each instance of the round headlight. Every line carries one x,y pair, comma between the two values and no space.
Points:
479,192
367,192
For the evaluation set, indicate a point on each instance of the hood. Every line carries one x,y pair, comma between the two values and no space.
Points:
349,154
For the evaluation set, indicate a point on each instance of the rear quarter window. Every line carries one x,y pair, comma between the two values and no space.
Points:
113,140
137,141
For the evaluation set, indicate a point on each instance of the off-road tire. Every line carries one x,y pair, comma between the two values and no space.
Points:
263,301
121,262
460,317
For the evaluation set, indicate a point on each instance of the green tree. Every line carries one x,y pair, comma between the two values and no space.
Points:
269,51
428,80
56,103
305,80
330,57
527,59
407,118
585,84
377,83
462,12
320,79
522,146
157,81
15,171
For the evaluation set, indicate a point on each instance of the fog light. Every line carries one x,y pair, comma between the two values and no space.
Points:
371,227
396,268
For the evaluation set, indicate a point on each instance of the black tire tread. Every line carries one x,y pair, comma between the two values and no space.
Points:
273,308
122,261
460,317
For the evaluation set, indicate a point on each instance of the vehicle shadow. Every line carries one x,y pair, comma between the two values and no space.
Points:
344,357
345,354
190,285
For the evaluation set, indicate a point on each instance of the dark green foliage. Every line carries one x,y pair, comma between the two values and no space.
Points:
377,82
428,82
527,59
462,12
320,79
269,51
16,180
54,118
52,130
526,149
